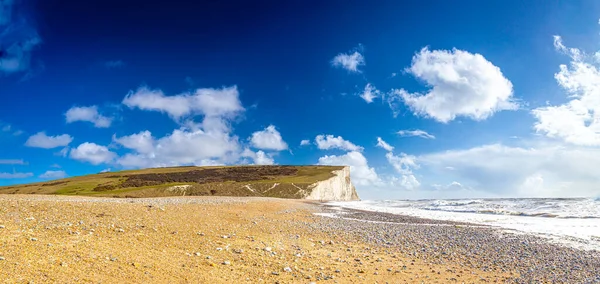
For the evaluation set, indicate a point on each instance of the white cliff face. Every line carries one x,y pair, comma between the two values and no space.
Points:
338,187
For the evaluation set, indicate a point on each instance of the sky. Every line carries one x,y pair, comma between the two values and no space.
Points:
422,99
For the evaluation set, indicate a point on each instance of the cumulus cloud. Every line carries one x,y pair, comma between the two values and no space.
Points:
223,102
53,175
15,175
89,114
327,142
578,120
142,142
92,153
404,165
208,142
462,84
268,139
362,174
384,145
349,61
12,162
181,147
543,171
41,140
259,157
304,142
370,93
415,133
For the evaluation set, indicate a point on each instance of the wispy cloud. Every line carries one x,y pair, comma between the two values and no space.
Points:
415,133
384,145
12,162
53,175
18,39
113,64
15,175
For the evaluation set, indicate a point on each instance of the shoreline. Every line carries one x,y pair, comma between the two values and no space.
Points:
534,258
260,240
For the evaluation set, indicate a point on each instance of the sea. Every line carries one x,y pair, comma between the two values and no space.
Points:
573,222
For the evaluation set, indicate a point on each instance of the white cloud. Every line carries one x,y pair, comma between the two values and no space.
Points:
384,145
349,61
304,142
12,162
53,175
259,157
41,140
578,120
404,165
543,171
326,142
361,173
415,133
462,84
142,142
92,153
15,175
181,147
6,128
268,139
210,142
370,93
222,102
89,114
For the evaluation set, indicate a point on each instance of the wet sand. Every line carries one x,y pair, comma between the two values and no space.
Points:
260,240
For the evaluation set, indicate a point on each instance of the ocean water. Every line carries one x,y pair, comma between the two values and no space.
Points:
574,222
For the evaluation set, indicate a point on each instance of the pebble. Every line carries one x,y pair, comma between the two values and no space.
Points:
268,249
2,258
227,262
197,254
287,269
2,227
33,239
479,248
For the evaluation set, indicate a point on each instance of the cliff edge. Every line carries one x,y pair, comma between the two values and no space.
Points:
338,187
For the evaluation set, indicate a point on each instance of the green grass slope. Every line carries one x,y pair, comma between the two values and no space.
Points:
268,181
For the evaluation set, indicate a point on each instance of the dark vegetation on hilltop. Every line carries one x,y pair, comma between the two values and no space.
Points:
270,181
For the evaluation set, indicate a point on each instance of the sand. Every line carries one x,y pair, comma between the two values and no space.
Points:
214,240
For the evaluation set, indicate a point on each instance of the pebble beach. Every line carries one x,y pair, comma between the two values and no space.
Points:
45,239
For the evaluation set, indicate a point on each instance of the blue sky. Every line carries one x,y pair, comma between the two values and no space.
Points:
423,99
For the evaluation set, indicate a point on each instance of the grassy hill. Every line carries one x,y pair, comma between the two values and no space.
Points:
268,181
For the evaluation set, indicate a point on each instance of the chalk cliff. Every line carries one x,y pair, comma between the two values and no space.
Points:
338,187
